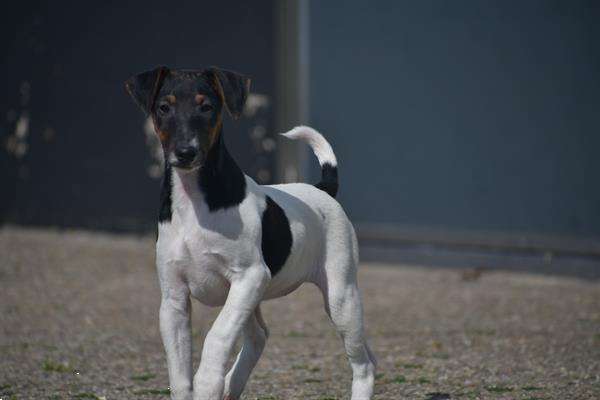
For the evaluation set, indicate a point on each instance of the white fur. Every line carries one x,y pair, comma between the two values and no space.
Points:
317,142
216,258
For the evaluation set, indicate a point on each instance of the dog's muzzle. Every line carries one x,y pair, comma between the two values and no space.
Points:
186,157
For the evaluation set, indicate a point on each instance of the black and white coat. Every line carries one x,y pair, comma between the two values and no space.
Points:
275,239
227,241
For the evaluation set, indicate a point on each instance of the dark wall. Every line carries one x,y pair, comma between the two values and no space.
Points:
63,68
474,114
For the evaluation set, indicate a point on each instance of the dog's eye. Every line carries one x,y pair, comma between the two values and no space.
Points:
164,108
206,108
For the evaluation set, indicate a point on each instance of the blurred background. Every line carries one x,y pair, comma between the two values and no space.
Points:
464,130
468,139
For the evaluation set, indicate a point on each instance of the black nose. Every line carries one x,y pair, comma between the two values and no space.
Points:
186,153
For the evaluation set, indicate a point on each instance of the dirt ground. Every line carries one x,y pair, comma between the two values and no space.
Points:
79,320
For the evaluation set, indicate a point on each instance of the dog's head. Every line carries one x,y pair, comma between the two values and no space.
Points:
186,108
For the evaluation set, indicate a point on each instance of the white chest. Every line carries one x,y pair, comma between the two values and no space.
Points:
203,249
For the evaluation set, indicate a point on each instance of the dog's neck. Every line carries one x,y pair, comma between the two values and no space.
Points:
218,184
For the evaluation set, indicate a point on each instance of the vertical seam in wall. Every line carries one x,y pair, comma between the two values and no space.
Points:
292,87
304,78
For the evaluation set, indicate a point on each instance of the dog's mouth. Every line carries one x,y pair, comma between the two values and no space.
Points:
185,165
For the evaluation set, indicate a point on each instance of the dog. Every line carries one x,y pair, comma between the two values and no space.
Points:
227,241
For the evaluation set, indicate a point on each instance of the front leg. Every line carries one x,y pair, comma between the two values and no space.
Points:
175,329
245,293
255,334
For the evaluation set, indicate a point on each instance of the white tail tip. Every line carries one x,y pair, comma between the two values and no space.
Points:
316,141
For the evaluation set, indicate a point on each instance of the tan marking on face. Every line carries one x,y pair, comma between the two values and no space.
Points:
171,98
199,98
213,134
162,135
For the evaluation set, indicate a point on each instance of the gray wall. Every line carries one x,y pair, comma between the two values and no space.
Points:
64,68
462,114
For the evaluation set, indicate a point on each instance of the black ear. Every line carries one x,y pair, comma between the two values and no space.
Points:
232,87
144,87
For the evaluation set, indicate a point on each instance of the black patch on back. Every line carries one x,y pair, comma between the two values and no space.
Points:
276,236
221,181
165,212
329,179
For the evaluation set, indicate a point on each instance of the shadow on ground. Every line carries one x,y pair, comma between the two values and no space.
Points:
455,257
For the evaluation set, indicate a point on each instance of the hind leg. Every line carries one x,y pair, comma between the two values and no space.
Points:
343,304
255,335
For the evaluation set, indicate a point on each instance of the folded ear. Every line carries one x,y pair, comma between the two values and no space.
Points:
232,87
144,87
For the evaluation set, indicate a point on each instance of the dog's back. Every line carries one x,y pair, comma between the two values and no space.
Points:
322,235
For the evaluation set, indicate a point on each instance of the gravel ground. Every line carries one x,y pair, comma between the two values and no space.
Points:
78,320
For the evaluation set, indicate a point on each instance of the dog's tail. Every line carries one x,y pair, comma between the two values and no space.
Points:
324,152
